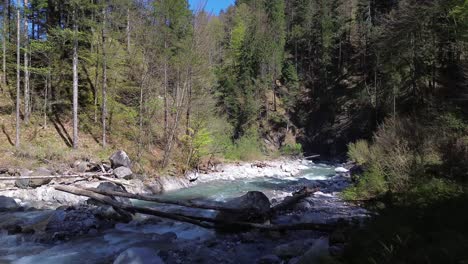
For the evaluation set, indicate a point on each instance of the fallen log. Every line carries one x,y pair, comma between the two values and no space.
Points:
116,181
267,227
130,208
288,202
312,157
196,220
219,207
83,175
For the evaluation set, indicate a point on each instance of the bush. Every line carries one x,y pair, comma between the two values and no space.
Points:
291,149
248,147
371,184
359,152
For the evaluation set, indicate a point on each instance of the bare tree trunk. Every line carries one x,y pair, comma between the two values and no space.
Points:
4,43
46,95
27,100
189,104
165,95
104,79
178,106
18,76
128,30
75,84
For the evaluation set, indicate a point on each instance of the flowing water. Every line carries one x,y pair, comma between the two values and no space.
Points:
104,246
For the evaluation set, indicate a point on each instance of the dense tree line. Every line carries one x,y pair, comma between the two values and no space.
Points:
165,77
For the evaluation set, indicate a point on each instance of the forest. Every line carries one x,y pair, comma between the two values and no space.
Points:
379,83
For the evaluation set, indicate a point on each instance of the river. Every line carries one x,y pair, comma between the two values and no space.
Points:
178,242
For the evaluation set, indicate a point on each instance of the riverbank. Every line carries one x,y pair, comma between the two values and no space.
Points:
46,197
46,236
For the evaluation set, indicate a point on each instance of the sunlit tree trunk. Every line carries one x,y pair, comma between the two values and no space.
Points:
128,30
27,93
4,44
75,84
104,79
18,76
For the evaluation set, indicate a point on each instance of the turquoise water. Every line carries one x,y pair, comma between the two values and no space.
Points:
221,190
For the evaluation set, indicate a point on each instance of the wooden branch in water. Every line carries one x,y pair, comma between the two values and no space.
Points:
116,181
130,208
268,227
196,220
312,157
288,202
7,178
165,201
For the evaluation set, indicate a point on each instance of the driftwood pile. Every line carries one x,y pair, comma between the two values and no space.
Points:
107,197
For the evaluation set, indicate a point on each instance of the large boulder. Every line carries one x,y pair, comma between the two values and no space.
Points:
67,223
23,183
139,255
254,206
34,183
7,204
293,249
109,186
120,159
123,173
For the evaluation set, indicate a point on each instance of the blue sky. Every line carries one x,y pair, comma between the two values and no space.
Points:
214,6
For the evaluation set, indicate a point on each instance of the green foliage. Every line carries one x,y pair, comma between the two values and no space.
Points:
431,191
291,149
359,152
248,147
371,184
196,145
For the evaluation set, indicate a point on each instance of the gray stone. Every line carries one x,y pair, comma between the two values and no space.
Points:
120,159
7,204
269,259
316,252
123,173
23,183
72,222
303,206
293,249
34,183
139,255
255,204
81,166
109,186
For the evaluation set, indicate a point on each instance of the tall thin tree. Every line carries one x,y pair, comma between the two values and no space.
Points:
27,93
18,76
104,78
75,82
4,44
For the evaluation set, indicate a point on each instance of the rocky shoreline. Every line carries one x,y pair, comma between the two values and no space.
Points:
54,223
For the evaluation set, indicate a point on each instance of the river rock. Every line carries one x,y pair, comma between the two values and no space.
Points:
293,249
303,205
256,205
341,170
7,204
109,186
316,252
23,183
139,255
269,259
120,159
34,183
123,173
81,166
64,224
